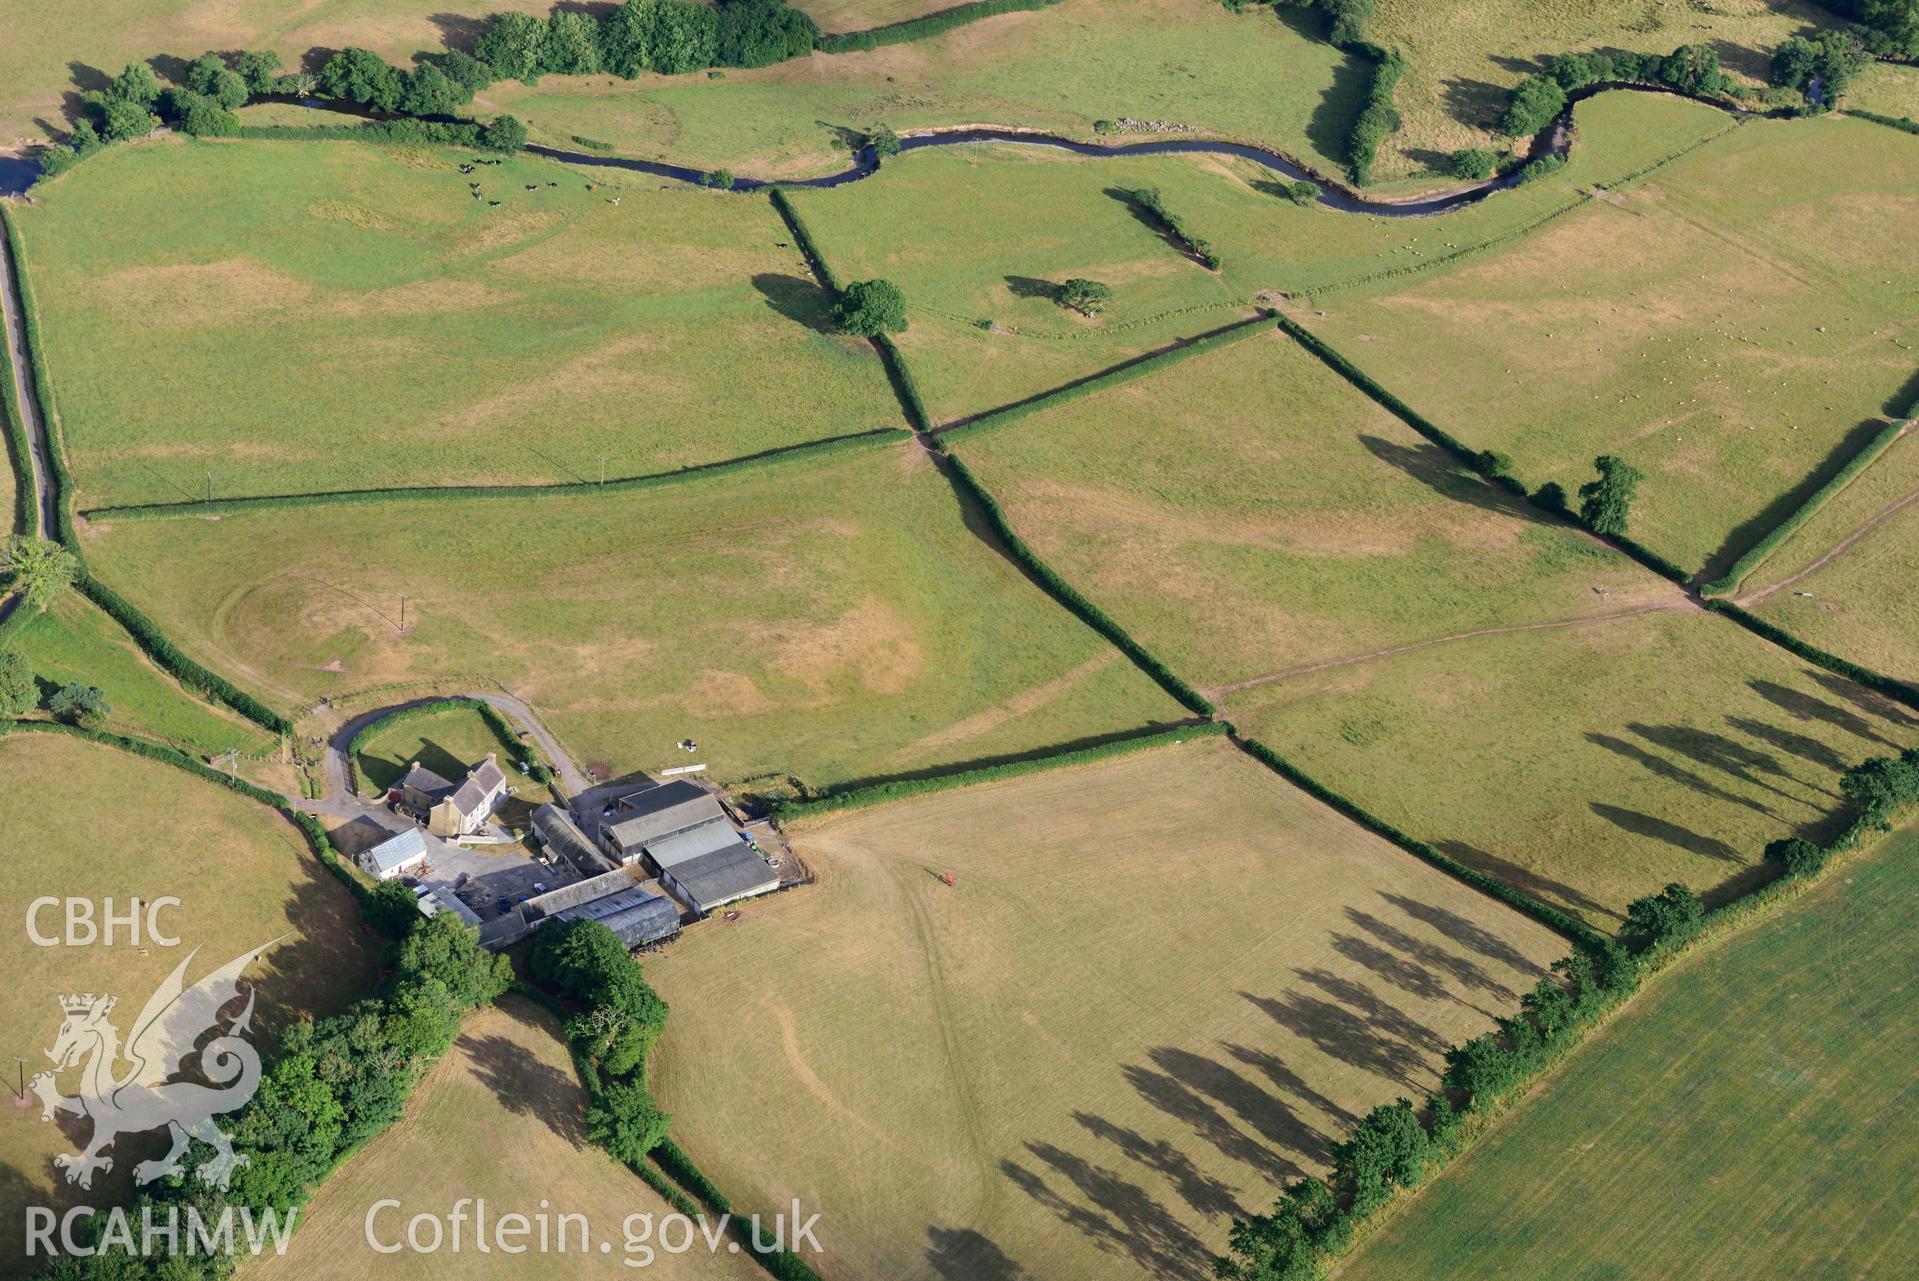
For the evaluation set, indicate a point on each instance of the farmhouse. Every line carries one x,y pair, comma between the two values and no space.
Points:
454,810
397,855
683,831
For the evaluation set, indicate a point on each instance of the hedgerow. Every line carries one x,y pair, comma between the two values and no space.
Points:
1897,690
37,378
904,385
183,669
1062,591
1901,123
803,237
440,493
1778,534
854,798
1378,118
1110,378
1149,199
509,736
932,24
19,450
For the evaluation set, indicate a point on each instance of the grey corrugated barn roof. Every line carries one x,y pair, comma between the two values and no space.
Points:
654,813
696,842
564,839
635,916
713,880
553,902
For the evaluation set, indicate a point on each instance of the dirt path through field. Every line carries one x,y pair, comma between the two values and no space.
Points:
1746,602
1676,601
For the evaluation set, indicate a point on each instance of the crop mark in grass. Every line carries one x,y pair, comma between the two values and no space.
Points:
1673,772
1201,1191
1673,834
1372,656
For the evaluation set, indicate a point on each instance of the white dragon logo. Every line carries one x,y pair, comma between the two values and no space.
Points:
164,1036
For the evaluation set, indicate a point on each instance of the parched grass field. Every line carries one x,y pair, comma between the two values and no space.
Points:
831,620
80,819
977,238
1588,765
1247,511
1258,75
862,15
300,316
1162,985
1743,1116
75,642
502,1118
1464,56
1887,88
1844,580
1735,350
450,743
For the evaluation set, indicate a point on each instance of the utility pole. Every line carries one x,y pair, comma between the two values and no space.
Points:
603,469
402,611
209,486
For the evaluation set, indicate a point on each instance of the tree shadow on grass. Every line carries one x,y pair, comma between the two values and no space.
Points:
1805,707
961,1254
526,1086
1398,957
1673,834
1205,1194
1478,103
800,301
1524,879
1185,1105
1806,749
1717,751
1408,976
1436,469
458,30
1468,934
1752,529
1265,1114
1867,701
1118,1215
384,774
1672,772
1150,220
1032,287
1341,1034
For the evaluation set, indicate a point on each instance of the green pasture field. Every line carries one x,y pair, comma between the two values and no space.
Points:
1247,511
1464,57
1739,1117
501,1118
300,316
1591,764
450,743
837,16
832,621
1732,326
45,66
1844,581
1258,75
74,642
89,821
976,239
1160,985
1888,89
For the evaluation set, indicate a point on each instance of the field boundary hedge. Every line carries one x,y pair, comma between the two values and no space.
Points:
924,27
560,489
1897,690
855,798
1775,537
1902,123
1560,922
1069,596
495,720
145,634
1125,372
26,492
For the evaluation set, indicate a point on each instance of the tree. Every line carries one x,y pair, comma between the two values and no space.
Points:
360,75
572,44
19,693
626,37
870,307
1494,463
1835,57
464,70
512,43
430,92
505,133
391,908
197,115
1693,68
1796,856
1670,916
85,139
123,120
82,705
1605,504
884,142
1535,104
1892,26
720,178
1883,785
136,83
685,38
1088,297
625,1121
1473,163
39,569
758,33
446,951
257,67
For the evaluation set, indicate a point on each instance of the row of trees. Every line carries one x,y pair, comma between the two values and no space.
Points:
671,37
1538,99
1891,26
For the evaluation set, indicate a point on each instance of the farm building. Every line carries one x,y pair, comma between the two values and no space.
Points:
434,901
683,831
562,838
616,900
397,855
455,809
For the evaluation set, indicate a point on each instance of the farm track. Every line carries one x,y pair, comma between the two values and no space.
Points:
1354,660
12,317
1838,549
